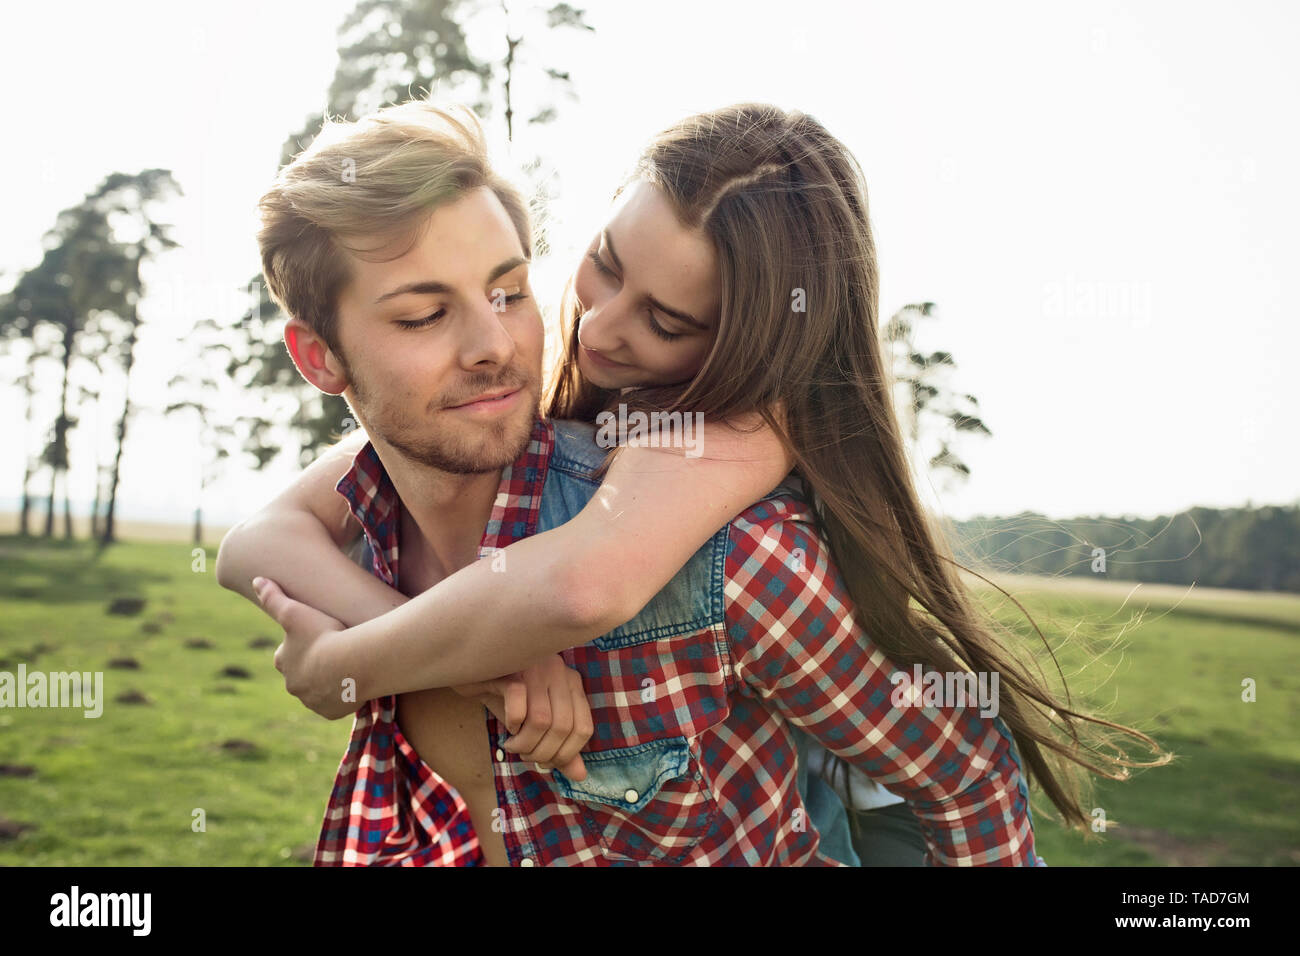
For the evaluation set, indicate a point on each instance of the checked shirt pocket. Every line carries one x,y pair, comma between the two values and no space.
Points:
644,803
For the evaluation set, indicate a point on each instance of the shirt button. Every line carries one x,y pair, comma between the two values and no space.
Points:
631,796
526,861
501,754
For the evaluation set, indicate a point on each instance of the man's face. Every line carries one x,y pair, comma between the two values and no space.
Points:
453,320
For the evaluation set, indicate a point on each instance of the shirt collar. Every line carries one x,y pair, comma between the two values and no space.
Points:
374,502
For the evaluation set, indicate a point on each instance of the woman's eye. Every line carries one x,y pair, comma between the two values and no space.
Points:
603,269
660,331
421,323
655,327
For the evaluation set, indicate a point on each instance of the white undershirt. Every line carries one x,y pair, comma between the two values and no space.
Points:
866,793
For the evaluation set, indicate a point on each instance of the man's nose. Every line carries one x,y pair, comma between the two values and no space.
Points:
485,338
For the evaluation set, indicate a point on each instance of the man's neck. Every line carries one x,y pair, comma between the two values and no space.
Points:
444,514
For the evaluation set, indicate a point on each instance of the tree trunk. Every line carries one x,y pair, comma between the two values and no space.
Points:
24,516
94,508
49,504
511,43
128,360
99,476
60,457
198,526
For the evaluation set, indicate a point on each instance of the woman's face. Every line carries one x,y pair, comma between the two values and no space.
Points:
649,296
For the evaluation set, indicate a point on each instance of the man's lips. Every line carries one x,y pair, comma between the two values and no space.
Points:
493,399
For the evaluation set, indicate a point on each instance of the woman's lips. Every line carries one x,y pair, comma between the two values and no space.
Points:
601,362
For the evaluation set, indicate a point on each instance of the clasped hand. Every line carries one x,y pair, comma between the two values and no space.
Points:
544,706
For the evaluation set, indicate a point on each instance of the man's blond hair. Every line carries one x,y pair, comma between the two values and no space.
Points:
376,179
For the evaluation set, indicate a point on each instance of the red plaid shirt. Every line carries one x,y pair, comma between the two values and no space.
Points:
692,760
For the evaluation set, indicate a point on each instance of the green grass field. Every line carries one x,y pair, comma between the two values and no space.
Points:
202,722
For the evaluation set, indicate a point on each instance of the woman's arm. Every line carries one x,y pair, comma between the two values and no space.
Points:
655,508
296,540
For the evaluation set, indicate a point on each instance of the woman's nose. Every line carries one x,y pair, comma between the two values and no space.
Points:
598,330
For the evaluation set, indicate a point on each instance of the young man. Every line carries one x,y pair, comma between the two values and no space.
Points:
693,697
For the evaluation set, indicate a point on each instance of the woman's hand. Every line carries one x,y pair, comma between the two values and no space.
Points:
543,706
545,709
303,655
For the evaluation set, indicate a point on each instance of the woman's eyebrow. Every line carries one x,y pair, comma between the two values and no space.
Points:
673,313
680,316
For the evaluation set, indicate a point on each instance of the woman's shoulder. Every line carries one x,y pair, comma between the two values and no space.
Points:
575,445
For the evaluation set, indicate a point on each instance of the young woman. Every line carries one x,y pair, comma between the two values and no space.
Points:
736,279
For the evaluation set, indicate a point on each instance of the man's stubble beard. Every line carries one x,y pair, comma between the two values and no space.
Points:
497,443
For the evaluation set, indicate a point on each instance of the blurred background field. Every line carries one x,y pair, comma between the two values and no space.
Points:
1173,661
196,717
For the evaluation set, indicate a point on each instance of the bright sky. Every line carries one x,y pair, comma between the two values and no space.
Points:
1101,198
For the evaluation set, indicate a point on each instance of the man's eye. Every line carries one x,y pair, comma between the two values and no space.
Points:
499,298
421,323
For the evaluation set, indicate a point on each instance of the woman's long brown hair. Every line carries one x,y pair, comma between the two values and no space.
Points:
785,206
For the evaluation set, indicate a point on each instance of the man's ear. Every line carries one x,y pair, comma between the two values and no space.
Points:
316,363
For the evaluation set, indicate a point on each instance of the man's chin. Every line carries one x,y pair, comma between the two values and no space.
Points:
473,448
503,447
